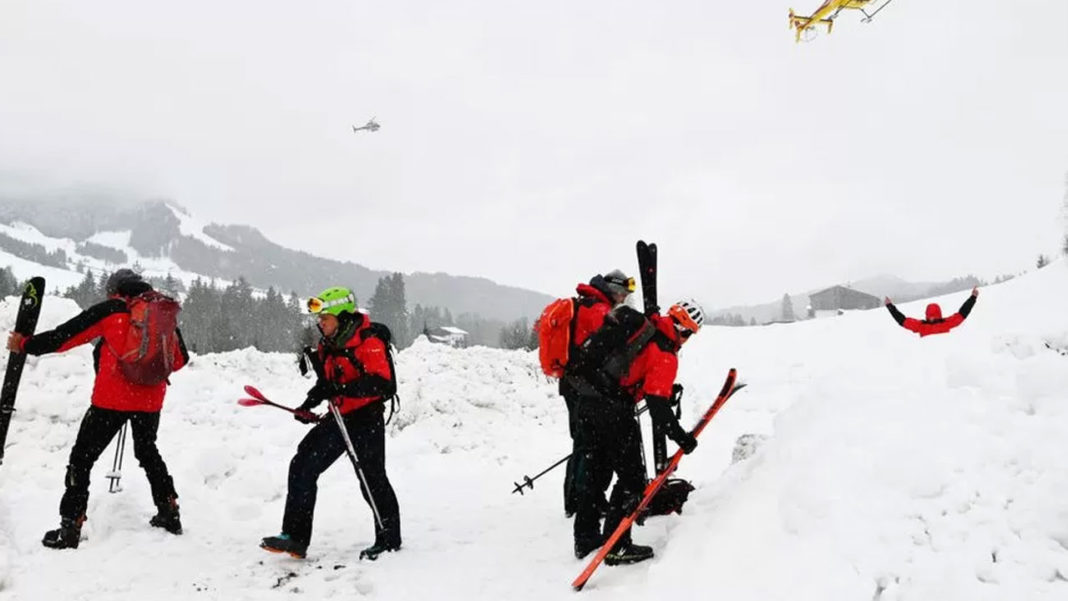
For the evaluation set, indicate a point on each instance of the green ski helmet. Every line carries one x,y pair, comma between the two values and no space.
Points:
335,301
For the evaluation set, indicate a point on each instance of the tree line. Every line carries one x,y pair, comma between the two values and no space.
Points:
219,318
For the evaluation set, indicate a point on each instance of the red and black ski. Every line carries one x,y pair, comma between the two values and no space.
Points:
730,386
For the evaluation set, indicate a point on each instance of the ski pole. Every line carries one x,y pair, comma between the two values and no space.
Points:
529,481
351,452
115,475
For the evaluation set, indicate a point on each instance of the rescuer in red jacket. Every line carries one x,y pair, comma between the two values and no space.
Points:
934,324
595,301
115,401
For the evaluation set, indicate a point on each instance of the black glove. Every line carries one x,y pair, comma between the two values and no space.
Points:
304,413
323,390
676,394
685,440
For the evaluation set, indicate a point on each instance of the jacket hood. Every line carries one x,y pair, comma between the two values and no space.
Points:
934,312
593,291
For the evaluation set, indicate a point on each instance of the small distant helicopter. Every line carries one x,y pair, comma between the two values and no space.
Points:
371,125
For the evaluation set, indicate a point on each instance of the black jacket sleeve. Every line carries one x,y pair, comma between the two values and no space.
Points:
52,340
899,317
99,346
966,308
181,346
663,418
366,386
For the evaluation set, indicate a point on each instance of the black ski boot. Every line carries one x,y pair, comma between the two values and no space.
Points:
628,553
585,547
283,544
371,553
168,518
67,536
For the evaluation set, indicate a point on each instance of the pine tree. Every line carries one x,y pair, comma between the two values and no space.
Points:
787,308
516,335
85,293
9,284
388,306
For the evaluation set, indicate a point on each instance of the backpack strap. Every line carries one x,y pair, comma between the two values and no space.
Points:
620,361
350,354
571,327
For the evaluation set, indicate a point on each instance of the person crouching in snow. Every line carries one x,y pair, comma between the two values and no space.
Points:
119,393
934,324
356,375
612,436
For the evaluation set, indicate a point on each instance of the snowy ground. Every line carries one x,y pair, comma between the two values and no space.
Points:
895,469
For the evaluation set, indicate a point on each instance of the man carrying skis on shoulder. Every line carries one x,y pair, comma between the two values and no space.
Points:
355,375
646,369
123,391
934,324
594,301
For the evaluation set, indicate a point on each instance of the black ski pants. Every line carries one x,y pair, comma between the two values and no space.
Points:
324,445
98,427
610,443
573,480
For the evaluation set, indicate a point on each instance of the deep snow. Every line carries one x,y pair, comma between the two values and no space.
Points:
894,468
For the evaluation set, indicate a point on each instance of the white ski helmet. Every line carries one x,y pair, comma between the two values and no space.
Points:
688,314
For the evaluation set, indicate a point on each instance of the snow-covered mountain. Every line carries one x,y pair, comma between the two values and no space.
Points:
895,468
54,237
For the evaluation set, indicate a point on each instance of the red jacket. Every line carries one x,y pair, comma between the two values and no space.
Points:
654,369
934,324
360,369
593,305
109,321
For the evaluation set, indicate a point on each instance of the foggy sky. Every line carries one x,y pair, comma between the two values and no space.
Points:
533,143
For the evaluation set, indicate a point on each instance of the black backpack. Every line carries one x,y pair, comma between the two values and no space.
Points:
606,356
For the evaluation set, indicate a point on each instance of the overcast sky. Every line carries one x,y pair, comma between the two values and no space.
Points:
534,142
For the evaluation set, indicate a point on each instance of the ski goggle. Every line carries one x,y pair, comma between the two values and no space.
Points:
628,283
317,305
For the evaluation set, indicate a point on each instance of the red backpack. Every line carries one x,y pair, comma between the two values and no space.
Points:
555,331
151,340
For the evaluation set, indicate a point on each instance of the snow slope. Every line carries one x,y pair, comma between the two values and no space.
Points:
895,469
61,279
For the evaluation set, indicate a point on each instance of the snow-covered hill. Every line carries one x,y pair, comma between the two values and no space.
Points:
162,238
895,469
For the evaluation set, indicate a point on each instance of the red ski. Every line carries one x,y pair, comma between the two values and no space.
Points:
260,399
729,388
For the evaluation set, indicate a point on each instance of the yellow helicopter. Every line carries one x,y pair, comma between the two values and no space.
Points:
826,13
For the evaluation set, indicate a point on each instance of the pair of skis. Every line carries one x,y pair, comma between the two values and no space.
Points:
647,269
730,386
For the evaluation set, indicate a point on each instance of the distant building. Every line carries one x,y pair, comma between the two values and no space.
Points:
836,299
447,335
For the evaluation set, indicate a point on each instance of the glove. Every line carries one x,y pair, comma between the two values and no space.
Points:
323,390
685,440
304,413
676,394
